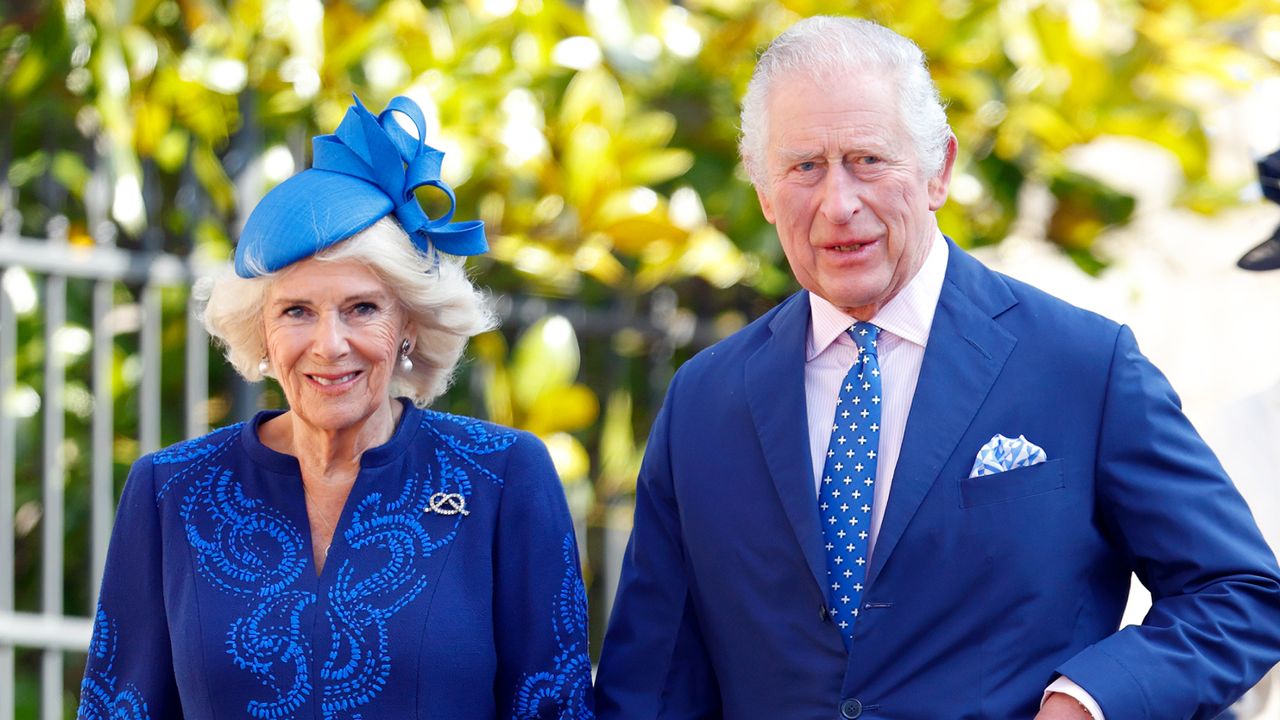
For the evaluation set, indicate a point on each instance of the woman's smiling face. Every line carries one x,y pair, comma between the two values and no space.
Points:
333,333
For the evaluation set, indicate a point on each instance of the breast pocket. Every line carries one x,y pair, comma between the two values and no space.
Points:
1020,482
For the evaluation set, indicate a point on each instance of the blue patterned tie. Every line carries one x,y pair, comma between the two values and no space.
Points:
848,480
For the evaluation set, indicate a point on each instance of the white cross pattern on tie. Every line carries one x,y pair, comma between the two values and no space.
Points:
860,395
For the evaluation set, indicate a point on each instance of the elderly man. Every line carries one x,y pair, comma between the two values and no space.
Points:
916,490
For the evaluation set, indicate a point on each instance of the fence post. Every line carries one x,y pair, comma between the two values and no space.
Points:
9,224
54,475
102,445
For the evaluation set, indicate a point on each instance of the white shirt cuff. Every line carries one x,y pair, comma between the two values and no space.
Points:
1066,686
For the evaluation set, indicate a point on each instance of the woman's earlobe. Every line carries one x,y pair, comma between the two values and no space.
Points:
406,364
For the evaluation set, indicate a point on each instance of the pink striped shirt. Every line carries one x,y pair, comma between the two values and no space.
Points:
904,324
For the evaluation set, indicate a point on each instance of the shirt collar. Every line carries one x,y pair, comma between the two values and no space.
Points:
908,315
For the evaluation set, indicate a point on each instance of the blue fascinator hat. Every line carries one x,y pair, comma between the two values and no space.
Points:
367,169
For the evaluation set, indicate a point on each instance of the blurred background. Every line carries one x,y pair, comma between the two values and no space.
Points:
1106,154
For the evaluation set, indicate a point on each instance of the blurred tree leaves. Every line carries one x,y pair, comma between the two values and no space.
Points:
596,138
534,387
570,125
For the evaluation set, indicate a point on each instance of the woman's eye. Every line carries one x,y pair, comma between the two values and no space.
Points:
293,311
868,160
807,166
364,308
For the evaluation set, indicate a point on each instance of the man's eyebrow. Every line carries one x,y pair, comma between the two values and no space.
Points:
802,154
794,154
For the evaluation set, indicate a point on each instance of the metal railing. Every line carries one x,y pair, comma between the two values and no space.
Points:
57,266
123,286
56,629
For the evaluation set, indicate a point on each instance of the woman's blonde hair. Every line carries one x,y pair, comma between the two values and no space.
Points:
445,308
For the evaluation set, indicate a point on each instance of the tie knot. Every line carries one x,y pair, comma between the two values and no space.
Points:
864,335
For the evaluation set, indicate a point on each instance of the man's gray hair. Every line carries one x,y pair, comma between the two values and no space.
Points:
436,294
824,47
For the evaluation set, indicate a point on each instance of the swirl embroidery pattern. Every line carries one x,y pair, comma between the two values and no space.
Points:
100,699
195,453
361,605
242,546
562,692
478,440
247,549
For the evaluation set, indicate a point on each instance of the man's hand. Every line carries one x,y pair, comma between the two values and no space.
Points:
1062,707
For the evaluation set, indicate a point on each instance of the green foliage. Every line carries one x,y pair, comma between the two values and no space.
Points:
596,139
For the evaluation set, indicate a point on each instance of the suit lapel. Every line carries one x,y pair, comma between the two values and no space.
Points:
967,350
775,395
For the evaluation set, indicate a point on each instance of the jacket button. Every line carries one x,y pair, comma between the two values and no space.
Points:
823,614
850,708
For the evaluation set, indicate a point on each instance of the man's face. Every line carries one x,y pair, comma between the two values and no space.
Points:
844,187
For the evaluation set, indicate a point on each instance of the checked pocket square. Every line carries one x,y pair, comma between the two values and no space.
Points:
1002,454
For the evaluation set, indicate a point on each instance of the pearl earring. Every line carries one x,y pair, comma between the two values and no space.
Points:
264,365
405,363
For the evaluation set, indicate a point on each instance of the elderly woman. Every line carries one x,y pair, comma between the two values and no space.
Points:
356,555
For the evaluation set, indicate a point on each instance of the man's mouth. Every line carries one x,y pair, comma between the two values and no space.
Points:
854,247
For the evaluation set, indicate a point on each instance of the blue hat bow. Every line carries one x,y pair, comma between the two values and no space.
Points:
368,168
380,151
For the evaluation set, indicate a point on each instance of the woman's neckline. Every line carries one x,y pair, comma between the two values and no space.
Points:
401,438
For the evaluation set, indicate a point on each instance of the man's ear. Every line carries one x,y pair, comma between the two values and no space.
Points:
766,205
940,184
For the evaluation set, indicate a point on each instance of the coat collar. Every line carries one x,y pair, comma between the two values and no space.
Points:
776,398
967,350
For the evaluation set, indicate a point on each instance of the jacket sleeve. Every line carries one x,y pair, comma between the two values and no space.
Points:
1214,626
129,672
540,603
654,663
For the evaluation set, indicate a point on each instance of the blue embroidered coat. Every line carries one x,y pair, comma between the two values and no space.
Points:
211,606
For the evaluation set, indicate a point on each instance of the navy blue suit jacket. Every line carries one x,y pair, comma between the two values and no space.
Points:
980,590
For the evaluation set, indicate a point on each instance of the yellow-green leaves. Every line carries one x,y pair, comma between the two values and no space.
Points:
535,387
545,359
598,142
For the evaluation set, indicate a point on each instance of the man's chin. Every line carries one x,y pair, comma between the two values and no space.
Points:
852,302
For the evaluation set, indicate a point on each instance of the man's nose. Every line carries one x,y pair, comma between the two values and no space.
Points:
841,196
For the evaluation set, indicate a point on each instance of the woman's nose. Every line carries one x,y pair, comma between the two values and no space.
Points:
330,337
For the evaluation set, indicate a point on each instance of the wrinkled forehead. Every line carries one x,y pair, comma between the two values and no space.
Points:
321,277
848,101
840,73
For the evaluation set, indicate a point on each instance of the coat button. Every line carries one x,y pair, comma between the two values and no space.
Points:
823,614
850,708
